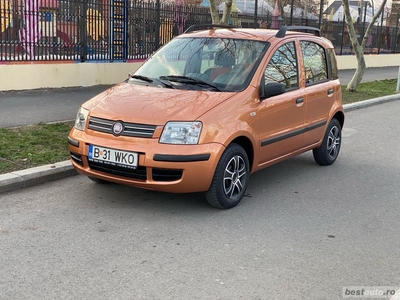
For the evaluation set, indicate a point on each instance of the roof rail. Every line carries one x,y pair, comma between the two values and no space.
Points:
207,26
282,32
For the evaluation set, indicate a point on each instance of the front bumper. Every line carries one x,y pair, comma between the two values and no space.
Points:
161,167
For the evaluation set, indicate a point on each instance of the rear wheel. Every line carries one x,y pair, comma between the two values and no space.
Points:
230,179
327,153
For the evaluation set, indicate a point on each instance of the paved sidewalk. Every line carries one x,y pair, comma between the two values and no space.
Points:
24,178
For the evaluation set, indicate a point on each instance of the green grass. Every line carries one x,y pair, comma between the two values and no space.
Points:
369,90
30,146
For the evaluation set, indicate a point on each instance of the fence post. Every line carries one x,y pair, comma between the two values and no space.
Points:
82,29
365,18
158,25
341,42
255,13
291,13
380,33
321,10
395,35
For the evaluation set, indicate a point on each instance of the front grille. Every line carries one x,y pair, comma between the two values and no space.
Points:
130,129
138,173
77,158
166,174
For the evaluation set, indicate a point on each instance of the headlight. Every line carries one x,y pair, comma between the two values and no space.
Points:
181,133
81,117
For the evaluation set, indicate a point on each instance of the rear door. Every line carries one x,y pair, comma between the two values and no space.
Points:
320,90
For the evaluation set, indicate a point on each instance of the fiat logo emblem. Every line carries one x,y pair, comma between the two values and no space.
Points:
117,128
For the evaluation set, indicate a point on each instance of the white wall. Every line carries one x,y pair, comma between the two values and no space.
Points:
53,75
25,76
371,60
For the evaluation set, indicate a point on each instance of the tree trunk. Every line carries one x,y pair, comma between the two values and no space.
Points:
357,48
358,75
227,12
214,12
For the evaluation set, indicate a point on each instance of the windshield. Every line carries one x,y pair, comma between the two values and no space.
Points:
226,64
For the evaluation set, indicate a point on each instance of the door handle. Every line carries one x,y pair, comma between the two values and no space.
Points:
299,100
330,91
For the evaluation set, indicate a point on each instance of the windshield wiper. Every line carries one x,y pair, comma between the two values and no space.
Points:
189,80
140,77
147,79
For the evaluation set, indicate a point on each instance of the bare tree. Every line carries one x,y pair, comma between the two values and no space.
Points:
215,13
373,7
312,6
357,47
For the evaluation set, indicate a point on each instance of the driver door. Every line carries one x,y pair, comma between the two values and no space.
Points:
282,117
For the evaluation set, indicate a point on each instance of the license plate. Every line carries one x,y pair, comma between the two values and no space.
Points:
113,157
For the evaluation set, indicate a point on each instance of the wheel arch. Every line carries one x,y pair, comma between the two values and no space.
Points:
247,145
340,117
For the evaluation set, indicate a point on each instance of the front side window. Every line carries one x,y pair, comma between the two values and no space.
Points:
315,66
227,64
283,67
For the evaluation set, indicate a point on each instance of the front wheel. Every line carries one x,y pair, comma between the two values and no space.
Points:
327,153
230,179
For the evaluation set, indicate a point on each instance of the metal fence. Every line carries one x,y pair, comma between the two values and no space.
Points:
121,30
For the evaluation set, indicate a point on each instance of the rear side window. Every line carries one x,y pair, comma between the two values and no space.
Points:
315,66
283,67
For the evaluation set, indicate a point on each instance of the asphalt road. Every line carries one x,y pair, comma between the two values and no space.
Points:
370,74
302,232
51,105
43,105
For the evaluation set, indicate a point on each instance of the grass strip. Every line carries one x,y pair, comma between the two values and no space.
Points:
370,90
30,146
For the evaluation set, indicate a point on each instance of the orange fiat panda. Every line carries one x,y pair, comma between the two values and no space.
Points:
211,107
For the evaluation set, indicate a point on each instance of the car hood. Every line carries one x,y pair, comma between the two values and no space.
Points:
153,105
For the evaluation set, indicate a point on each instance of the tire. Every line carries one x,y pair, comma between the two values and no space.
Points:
230,178
327,153
97,180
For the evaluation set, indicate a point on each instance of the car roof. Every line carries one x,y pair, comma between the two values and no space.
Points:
257,34
238,33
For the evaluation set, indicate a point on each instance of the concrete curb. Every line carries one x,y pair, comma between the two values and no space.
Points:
33,176
370,102
29,177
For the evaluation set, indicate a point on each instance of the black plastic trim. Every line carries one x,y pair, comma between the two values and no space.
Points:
73,142
316,125
282,137
282,32
181,158
77,158
166,175
292,134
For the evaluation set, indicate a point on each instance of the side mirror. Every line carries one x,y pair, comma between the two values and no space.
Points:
272,89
